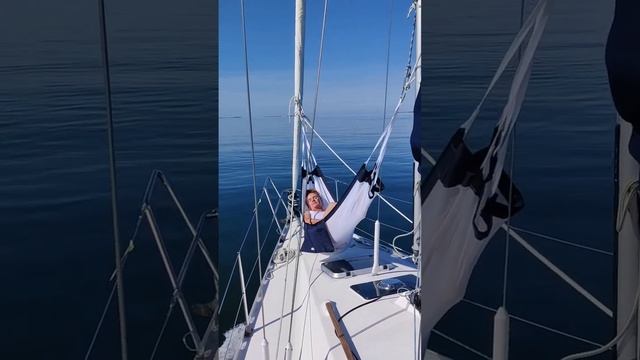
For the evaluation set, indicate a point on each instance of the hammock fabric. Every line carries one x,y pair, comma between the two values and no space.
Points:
465,197
335,231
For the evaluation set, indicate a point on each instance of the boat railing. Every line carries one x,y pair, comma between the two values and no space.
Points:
204,346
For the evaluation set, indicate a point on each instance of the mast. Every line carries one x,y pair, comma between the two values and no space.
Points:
295,165
623,68
417,200
297,97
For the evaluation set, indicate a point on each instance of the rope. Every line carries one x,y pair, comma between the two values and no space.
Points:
395,248
114,186
613,341
386,78
387,225
505,276
511,52
461,344
253,156
359,306
560,273
104,313
547,237
306,121
623,205
315,99
353,172
162,329
386,196
246,235
532,323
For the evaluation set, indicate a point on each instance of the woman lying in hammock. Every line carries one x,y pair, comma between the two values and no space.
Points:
316,210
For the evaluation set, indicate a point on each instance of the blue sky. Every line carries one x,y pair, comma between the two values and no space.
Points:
353,69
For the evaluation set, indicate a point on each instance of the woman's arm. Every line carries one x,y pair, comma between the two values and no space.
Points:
330,207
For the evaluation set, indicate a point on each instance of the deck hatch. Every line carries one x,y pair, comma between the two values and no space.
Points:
349,267
373,289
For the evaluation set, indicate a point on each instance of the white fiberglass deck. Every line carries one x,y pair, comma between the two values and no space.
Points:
388,327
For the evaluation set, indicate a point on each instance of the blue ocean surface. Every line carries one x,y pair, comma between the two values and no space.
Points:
563,155
56,252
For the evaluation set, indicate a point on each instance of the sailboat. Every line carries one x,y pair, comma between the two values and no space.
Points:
327,292
306,302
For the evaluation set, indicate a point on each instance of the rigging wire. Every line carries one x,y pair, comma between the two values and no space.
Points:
386,78
104,313
253,156
505,276
114,186
315,99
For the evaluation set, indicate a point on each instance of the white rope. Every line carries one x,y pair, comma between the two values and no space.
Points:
428,156
559,272
532,323
623,206
461,344
353,172
565,242
386,196
511,52
613,341
395,248
306,121
387,225
395,209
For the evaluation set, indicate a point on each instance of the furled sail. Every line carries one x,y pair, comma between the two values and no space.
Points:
465,196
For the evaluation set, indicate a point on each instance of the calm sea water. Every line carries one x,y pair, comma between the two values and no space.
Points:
55,218
563,166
